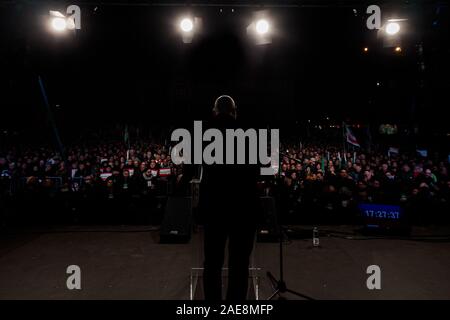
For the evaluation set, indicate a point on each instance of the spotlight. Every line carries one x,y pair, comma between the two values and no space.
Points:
59,24
366,49
392,28
392,31
186,25
398,49
262,26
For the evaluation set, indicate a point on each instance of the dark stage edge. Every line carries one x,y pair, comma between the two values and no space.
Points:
126,262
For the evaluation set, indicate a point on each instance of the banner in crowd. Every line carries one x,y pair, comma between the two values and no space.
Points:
164,172
105,175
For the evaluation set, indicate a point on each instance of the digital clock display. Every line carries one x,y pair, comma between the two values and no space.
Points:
377,211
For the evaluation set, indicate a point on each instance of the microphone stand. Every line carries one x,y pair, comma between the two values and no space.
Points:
279,286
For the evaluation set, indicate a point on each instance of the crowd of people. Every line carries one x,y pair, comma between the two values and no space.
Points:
104,179
313,181
333,182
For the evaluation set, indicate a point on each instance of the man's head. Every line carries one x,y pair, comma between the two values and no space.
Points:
225,105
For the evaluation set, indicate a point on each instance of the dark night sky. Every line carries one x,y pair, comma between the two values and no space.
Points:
128,63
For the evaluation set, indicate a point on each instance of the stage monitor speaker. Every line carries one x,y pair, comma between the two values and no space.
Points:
268,228
176,225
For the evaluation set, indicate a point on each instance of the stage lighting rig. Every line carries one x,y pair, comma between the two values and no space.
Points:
262,26
392,28
59,23
391,32
188,27
260,29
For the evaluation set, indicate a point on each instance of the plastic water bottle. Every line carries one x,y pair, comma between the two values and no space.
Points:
316,241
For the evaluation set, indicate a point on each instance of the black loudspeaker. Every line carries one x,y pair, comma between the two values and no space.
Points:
268,227
176,224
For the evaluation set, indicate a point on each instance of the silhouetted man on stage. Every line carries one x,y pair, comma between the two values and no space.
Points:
229,205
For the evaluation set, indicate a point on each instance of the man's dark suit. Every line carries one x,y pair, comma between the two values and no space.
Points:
228,201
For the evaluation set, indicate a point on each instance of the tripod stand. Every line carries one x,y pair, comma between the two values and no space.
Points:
280,286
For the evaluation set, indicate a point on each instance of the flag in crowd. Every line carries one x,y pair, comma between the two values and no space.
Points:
350,137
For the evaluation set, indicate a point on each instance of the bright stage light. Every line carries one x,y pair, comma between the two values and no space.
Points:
262,26
392,28
261,29
189,27
59,24
186,25
398,49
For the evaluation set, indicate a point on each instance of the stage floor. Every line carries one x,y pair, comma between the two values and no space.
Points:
128,263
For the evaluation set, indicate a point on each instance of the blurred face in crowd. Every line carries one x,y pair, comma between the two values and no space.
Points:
153,164
376,184
143,166
343,174
126,173
319,176
384,167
